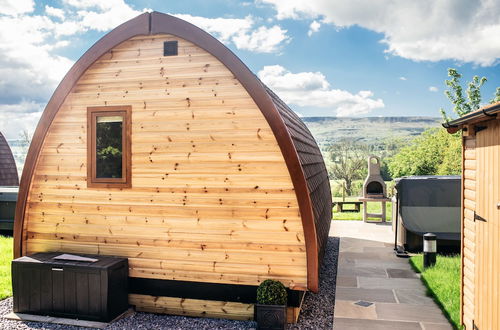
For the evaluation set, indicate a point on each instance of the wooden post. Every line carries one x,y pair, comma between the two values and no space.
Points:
365,211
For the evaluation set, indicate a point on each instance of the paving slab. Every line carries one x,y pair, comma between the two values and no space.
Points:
347,281
366,255
375,288
371,295
413,297
397,263
349,270
348,309
401,273
407,312
390,283
435,326
379,249
374,232
358,324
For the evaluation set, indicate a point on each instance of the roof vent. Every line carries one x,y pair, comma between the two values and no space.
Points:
170,48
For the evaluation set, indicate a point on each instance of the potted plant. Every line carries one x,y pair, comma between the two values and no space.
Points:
270,310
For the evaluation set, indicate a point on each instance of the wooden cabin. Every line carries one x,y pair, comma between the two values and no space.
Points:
8,169
480,292
161,146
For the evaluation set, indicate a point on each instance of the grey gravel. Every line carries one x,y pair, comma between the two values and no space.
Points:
317,309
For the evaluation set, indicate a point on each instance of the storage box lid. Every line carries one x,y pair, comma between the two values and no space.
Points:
66,259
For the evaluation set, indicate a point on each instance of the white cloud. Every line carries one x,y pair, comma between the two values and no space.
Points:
31,65
430,30
54,12
109,13
311,89
223,28
16,7
242,32
313,27
28,68
433,89
262,40
19,117
403,78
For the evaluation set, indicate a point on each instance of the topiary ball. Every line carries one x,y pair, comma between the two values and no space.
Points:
271,292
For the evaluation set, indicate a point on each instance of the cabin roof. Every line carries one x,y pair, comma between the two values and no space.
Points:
485,113
300,151
313,167
8,169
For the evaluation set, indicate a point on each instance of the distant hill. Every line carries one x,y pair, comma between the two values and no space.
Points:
368,130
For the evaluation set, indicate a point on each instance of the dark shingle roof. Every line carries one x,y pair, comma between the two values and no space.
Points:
8,169
314,169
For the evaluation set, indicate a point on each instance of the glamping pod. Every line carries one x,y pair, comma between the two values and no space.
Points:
9,182
8,169
161,146
480,294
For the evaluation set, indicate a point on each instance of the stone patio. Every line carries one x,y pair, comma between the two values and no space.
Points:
375,289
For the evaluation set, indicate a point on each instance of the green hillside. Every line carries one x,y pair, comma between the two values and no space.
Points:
368,130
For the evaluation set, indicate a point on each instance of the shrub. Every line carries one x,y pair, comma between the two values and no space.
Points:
271,292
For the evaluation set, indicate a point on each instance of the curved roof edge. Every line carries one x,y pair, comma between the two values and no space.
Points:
157,23
8,168
482,114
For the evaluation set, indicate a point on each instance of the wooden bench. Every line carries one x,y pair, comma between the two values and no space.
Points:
340,206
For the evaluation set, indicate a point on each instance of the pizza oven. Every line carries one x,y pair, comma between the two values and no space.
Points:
374,186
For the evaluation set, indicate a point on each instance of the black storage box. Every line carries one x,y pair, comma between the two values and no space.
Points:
45,284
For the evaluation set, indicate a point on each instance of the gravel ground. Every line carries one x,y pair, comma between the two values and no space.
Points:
317,309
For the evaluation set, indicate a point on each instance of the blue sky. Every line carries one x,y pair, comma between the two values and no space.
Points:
323,57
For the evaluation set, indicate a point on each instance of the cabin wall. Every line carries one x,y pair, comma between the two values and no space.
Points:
480,245
468,229
487,227
211,198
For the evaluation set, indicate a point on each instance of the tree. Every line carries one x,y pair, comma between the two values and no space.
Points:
462,105
496,98
348,162
435,152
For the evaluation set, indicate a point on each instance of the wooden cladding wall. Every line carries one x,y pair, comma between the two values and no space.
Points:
211,198
486,233
468,229
480,243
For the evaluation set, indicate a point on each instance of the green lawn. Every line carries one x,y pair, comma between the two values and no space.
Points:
372,208
5,259
443,284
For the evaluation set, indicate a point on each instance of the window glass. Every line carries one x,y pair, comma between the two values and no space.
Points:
109,148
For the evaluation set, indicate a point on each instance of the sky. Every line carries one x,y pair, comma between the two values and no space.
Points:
323,57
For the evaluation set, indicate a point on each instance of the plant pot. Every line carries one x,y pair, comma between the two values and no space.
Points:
270,317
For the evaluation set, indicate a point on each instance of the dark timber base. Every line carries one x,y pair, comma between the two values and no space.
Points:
206,291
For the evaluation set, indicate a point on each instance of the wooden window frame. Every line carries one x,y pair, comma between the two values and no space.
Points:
126,180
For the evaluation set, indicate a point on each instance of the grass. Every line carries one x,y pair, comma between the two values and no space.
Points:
372,208
443,284
5,259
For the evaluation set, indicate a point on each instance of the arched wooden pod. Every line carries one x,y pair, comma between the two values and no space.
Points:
298,149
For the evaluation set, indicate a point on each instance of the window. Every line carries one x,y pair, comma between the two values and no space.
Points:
108,147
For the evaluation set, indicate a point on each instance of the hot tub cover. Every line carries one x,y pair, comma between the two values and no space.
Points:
430,204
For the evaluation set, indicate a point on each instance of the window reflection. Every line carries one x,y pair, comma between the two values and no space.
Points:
109,149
